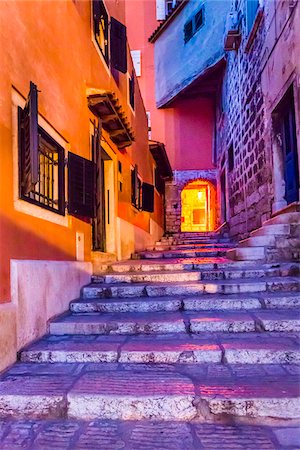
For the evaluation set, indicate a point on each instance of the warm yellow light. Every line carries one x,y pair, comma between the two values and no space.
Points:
200,195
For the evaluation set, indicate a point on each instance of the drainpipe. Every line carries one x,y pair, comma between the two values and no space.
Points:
241,123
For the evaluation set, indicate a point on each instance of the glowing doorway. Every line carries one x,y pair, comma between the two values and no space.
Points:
198,206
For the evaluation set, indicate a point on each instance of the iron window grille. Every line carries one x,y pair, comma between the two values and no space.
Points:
48,191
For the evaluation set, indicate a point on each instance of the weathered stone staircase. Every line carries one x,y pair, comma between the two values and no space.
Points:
192,339
277,239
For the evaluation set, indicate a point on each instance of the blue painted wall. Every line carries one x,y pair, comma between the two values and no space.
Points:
178,63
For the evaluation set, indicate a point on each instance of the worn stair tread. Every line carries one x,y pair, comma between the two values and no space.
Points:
205,302
176,322
160,349
139,393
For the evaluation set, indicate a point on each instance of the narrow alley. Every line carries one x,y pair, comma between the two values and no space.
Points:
150,225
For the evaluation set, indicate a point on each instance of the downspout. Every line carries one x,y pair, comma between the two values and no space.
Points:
241,123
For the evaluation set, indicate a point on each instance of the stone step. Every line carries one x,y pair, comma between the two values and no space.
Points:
161,349
176,322
177,247
247,253
272,284
258,241
170,254
286,218
185,275
148,434
201,303
276,229
136,392
172,265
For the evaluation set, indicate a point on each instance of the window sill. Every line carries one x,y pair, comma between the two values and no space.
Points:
254,29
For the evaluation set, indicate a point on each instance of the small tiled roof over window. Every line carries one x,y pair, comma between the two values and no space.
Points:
169,18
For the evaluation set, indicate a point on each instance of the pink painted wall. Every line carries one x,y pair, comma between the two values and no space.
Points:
187,128
188,134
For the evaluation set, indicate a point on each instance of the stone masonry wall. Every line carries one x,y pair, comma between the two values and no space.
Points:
173,194
241,124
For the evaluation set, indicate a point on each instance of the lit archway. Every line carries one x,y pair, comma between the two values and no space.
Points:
198,206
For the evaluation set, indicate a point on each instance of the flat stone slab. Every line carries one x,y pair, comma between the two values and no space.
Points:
143,435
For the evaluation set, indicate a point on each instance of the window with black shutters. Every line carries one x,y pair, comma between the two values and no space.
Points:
118,45
148,197
41,160
81,186
158,182
131,90
100,21
136,189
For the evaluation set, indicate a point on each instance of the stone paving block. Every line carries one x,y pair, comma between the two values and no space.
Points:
126,323
71,352
171,352
232,322
34,397
215,302
282,300
278,320
132,396
158,436
260,349
127,305
288,437
230,437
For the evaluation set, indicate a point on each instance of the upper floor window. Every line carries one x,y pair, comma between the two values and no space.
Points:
100,20
251,12
164,8
113,44
194,24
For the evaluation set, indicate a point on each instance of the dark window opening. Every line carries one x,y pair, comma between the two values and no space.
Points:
230,158
100,19
121,186
47,190
199,20
193,25
188,31
119,166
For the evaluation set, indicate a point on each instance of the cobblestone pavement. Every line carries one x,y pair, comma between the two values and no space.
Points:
147,435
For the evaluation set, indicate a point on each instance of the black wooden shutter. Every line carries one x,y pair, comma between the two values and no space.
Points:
148,197
118,45
30,142
81,186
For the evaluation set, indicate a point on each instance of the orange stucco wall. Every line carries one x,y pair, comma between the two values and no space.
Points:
50,43
187,127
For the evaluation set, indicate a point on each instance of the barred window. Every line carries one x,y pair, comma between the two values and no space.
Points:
48,189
